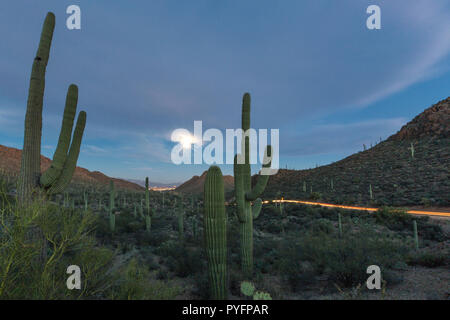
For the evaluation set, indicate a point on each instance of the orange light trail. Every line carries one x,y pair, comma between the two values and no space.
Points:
329,205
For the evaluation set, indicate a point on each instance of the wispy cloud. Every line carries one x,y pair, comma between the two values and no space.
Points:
339,138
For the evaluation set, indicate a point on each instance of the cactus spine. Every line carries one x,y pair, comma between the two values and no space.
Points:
215,222
60,172
245,194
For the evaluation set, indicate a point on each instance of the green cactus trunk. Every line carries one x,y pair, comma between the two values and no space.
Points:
30,170
245,194
148,212
112,222
61,170
416,236
86,202
340,225
112,196
148,223
194,228
215,222
180,217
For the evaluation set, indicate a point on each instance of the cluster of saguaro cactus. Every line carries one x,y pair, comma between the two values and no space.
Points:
56,178
245,194
215,224
112,216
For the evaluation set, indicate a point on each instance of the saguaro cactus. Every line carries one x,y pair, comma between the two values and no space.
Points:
215,222
148,211
245,194
112,196
340,224
416,236
59,174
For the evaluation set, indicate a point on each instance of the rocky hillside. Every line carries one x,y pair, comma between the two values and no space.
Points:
412,167
10,159
195,184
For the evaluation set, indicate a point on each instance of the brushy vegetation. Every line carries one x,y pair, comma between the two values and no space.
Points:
38,242
298,251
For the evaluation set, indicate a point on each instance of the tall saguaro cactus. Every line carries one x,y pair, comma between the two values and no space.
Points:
245,194
215,222
59,174
148,211
112,197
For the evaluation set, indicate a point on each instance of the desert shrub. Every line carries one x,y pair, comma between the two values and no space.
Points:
343,261
315,196
135,283
181,259
427,259
37,244
394,219
320,226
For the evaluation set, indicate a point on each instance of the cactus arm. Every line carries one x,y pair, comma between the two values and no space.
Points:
60,155
30,169
71,161
246,111
258,189
256,209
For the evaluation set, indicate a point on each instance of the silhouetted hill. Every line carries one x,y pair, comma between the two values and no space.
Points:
195,184
388,168
10,159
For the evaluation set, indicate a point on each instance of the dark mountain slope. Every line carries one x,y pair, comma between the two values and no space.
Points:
395,176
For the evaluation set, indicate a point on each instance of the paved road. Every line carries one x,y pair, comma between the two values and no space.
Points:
416,212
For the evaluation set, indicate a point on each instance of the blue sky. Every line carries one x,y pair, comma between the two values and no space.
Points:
145,68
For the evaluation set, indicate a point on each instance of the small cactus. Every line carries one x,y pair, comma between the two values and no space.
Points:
416,236
112,197
411,148
260,295
247,288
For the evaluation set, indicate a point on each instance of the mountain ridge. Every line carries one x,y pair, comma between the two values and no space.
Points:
411,167
10,160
